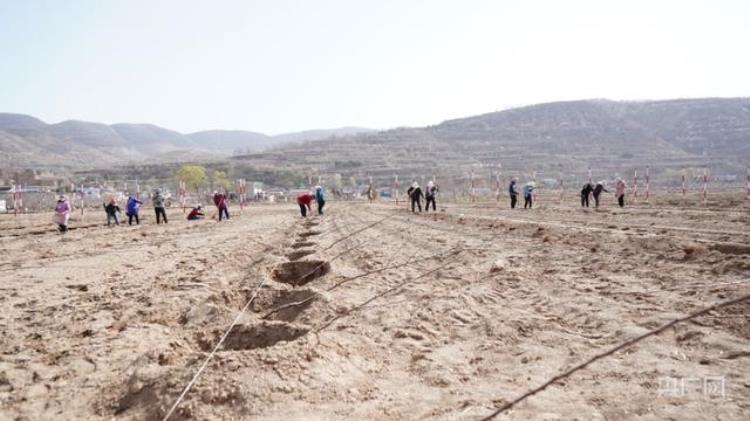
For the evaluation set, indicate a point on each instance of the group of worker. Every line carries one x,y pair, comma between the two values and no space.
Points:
63,209
528,193
304,200
595,191
588,190
416,195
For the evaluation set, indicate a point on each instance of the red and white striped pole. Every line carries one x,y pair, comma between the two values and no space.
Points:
635,185
471,188
395,187
15,200
684,189
647,184
562,190
497,185
705,186
243,196
82,197
533,178
182,195
19,198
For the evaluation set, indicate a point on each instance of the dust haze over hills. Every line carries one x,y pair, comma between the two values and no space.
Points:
553,139
27,142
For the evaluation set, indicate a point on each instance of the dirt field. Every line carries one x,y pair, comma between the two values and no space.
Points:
371,312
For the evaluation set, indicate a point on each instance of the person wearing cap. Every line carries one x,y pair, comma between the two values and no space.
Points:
158,201
131,210
620,192
303,200
598,189
429,196
196,214
62,213
320,198
513,192
416,195
528,195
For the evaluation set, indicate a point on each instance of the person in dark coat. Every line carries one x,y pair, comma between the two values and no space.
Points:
528,195
585,194
598,192
158,201
513,192
416,195
112,210
429,196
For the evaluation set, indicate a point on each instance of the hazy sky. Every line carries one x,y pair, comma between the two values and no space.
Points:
276,66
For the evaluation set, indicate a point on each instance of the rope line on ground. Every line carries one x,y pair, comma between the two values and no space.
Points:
611,351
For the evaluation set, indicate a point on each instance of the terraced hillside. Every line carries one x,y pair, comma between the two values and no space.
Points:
553,140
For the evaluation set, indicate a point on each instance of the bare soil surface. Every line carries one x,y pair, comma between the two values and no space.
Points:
373,312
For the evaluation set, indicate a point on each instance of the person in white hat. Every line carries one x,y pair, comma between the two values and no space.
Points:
429,196
416,195
528,195
62,213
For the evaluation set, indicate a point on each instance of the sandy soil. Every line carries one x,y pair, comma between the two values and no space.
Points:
441,316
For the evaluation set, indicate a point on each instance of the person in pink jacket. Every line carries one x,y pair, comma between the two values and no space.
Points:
62,213
620,192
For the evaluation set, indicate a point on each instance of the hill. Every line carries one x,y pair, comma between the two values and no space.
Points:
27,142
552,140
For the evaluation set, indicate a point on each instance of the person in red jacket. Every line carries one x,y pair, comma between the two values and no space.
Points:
220,200
196,214
304,200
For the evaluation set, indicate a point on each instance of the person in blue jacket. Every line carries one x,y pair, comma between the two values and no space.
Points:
132,210
320,198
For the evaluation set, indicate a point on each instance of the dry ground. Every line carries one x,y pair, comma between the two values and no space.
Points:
439,316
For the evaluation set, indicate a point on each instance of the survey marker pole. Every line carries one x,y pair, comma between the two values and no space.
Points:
684,189
705,186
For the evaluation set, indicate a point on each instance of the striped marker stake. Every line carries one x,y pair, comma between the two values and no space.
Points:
497,185
533,192
635,185
395,187
647,184
182,195
684,190
562,190
15,199
82,198
705,186
471,188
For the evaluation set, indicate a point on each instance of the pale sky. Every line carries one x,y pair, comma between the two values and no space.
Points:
279,66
